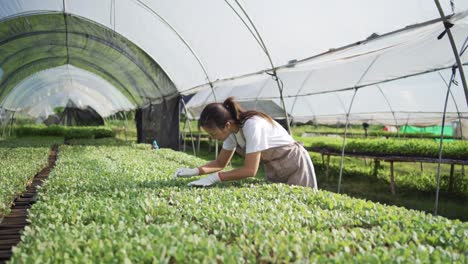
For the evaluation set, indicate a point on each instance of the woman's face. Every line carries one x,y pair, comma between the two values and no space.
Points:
217,133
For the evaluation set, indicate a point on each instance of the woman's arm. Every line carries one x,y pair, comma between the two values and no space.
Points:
250,168
216,165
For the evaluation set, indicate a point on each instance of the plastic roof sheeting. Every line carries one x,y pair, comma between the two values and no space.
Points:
382,65
383,59
224,45
45,90
43,41
151,50
267,106
417,100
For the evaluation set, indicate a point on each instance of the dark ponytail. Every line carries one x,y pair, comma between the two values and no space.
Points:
217,114
234,109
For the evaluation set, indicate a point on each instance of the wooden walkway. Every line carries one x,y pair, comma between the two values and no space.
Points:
13,224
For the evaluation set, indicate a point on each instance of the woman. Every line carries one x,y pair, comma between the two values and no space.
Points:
257,137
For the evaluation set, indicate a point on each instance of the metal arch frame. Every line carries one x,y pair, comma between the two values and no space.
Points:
347,120
189,48
23,67
350,88
347,88
104,72
389,106
364,41
34,93
28,13
341,102
342,105
42,99
115,47
99,40
48,12
94,38
183,41
260,91
465,87
8,58
64,12
453,98
344,139
449,85
379,82
342,48
189,125
260,41
454,48
300,89
441,144
257,39
60,58
331,51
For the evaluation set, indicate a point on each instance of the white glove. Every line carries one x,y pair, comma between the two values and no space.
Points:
211,179
186,173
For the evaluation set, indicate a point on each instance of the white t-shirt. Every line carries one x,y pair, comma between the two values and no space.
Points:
259,134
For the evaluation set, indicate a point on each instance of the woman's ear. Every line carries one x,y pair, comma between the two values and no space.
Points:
231,127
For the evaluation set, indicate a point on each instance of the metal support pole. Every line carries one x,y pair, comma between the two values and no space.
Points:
190,127
451,180
441,145
347,121
184,135
453,98
189,47
11,123
260,41
392,178
297,95
454,48
4,126
122,114
391,109
344,141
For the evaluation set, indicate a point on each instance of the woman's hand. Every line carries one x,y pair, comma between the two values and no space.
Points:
186,173
210,180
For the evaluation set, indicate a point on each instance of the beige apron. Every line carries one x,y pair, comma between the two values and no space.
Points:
290,164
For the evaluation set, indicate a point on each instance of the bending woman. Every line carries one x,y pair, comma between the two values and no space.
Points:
256,137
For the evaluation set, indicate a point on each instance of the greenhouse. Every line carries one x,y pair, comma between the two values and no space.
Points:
108,154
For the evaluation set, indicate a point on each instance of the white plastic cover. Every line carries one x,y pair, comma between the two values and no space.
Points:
54,87
291,30
187,37
311,87
417,100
